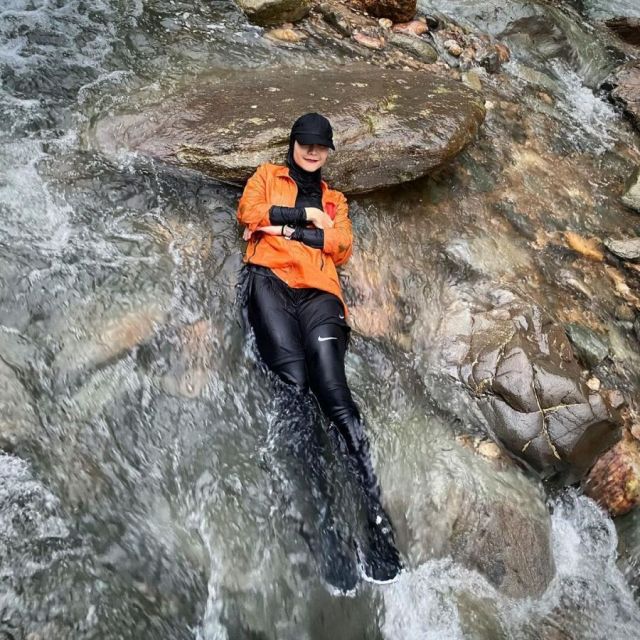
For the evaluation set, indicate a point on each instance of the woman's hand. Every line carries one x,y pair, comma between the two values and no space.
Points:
271,230
318,218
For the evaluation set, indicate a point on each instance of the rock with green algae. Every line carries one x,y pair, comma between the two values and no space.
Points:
272,12
390,126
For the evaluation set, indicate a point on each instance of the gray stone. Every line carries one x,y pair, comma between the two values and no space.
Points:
390,126
270,12
590,347
414,45
632,197
628,249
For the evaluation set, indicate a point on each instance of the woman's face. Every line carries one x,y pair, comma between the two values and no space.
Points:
310,157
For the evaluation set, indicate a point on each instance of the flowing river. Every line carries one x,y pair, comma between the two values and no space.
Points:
144,490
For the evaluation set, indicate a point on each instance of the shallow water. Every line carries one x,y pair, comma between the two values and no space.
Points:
147,492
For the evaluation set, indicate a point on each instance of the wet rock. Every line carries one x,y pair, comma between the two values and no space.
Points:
621,286
413,28
366,40
614,481
626,91
628,249
391,114
628,528
588,247
521,367
18,420
337,18
589,346
286,35
272,12
395,10
453,48
626,28
632,197
415,46
496,523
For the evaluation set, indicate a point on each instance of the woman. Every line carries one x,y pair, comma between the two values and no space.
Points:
298,231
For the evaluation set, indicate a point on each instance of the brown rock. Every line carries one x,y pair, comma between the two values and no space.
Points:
371,42
226,129
453,47
396,10
504,55
614,481
286,35
272,12
626,82
588,247
412,28
626,28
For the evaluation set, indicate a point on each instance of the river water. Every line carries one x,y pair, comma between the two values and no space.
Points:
145,492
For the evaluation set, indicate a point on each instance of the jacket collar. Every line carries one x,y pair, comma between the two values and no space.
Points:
283,172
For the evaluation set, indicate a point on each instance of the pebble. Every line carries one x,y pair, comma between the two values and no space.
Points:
627,249
593,384
413,28
385,23
368,41
452,47
285,35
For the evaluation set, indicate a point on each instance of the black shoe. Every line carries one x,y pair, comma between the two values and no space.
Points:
335,561
339,567
378,556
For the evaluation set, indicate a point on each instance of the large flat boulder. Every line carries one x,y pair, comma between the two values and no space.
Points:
390,126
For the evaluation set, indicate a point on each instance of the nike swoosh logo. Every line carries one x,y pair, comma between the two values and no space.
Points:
340,316
321,339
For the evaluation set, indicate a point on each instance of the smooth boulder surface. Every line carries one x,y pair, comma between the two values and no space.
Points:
390,126
628,249
270,12
523,370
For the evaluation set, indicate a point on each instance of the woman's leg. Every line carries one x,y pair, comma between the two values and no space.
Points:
273,319
325,348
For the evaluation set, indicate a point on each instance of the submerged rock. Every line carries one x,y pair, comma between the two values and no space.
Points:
490,520
271,12
390,126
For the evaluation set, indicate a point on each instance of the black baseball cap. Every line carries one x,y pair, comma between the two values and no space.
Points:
313,128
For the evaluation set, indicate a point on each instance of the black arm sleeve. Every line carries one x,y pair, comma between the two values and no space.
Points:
311,236
287,215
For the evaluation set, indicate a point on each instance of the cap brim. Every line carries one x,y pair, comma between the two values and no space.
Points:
310,138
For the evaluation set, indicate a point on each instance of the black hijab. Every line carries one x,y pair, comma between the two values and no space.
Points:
311,128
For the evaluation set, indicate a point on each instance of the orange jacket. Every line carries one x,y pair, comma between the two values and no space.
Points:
299,265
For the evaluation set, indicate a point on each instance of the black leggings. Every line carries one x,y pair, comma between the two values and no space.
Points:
302,336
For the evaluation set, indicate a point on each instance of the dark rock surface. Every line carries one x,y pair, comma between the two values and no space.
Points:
396,10
391,126
628,29
271,12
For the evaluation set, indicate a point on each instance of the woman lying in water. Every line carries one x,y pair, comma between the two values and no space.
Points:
298,230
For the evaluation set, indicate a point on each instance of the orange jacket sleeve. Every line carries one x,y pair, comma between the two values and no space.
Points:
253,208
338,242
